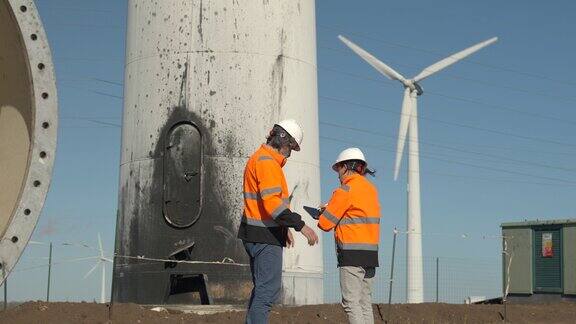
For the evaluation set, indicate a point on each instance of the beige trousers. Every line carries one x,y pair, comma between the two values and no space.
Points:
356,295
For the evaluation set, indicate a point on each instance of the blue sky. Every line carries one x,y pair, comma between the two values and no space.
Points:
496,130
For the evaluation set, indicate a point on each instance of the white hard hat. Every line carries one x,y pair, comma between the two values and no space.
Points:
352,153
292,128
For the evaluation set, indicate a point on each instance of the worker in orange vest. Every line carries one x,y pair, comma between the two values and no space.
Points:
267,217
353,213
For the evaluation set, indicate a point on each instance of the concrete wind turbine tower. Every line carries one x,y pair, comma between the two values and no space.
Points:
409,126
204,83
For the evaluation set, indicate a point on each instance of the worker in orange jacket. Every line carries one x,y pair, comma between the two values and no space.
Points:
267,217
353,213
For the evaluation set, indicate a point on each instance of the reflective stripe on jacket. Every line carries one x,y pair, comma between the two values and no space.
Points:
354,214
265,198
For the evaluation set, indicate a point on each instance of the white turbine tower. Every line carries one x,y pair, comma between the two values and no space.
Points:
101,262
409,125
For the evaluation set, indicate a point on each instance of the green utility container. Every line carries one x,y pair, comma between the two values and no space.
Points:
540,263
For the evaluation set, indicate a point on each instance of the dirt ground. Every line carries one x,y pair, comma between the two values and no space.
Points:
41,312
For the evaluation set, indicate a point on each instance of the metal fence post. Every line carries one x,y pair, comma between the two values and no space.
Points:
507,262
49,273
392,273
111,305
437,277
5,286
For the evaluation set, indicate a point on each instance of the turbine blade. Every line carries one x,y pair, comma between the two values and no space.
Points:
100,245
91,270
79,245
80,259
440,65
403,130
377,64
37,243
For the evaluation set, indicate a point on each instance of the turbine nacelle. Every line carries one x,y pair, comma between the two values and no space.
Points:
415,86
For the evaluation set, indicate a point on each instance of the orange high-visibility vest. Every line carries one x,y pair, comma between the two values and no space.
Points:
266,197
354,214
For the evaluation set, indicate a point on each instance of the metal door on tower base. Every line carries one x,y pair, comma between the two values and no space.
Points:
182,175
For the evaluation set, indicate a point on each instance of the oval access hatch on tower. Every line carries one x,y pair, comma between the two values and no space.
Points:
183,175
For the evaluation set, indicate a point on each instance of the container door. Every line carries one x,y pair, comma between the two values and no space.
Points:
547,260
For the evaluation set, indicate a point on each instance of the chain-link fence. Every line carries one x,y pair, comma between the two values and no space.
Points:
449,278
446,280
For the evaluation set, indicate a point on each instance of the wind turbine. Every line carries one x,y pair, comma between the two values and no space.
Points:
101,262
409,126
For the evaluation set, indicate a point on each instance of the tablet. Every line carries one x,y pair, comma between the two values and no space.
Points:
314,212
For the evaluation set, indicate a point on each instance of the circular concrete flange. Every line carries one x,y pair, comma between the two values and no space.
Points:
28,126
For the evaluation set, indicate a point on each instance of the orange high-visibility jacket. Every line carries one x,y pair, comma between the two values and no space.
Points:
354,214
266,200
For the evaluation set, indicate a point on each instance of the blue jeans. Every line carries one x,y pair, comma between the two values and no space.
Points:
266,267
